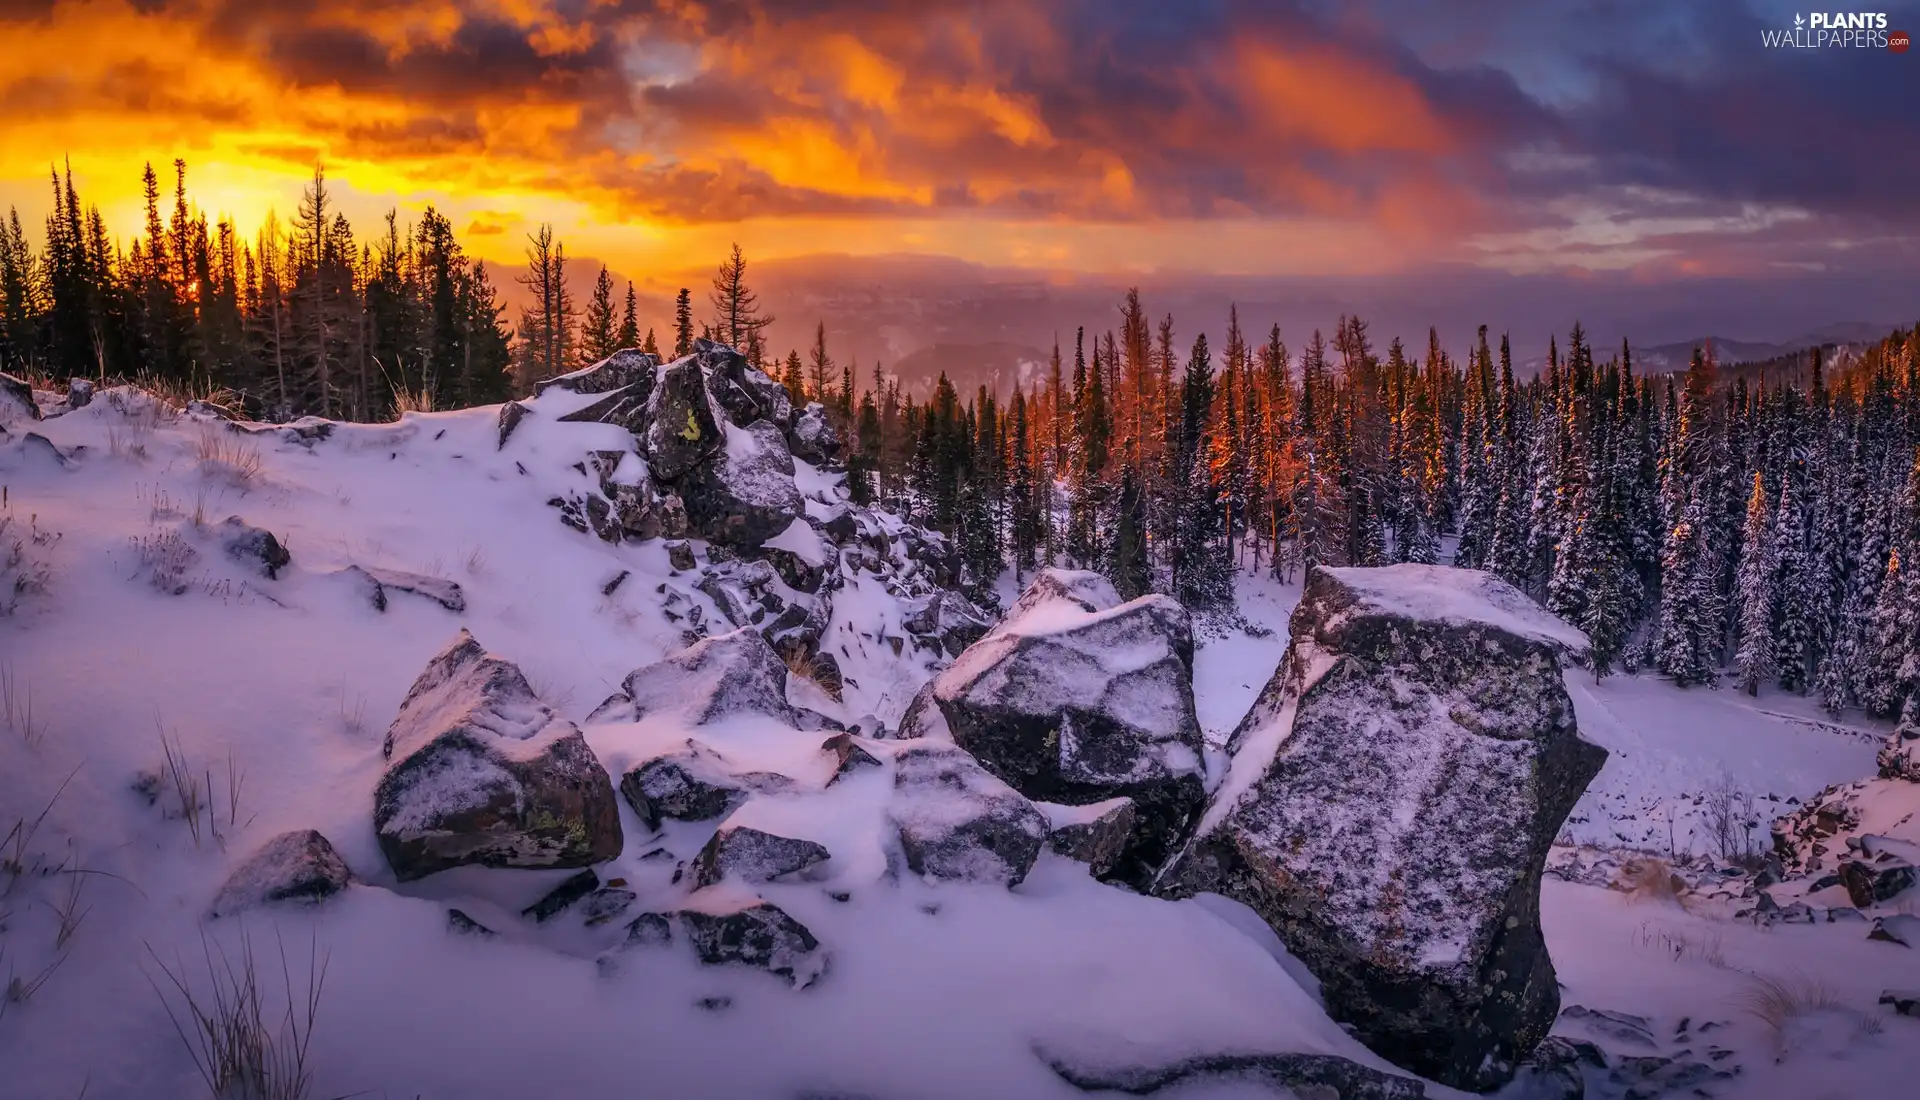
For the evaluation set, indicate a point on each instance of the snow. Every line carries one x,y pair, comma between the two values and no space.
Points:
803,542
1445,594
280,690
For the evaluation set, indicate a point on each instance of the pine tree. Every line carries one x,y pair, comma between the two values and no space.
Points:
737,317
683,324
1754,662
1131,572
600,328
794,380
629,334
819,366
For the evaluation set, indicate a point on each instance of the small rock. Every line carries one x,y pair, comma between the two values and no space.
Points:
253,545
1095,835
650,930
728,929
957,821
1876,879
753,856
16,391
607,903
849,756
511,414
296,866
680,554
464,925
560,897
1906,1002
1900,928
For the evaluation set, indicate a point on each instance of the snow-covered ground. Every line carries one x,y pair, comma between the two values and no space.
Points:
277,692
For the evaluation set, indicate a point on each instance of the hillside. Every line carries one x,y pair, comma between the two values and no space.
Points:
148,642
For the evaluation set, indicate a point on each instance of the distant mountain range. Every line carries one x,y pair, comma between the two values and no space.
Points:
998,366
1669,357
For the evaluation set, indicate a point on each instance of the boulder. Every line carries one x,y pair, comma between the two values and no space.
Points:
800,556
922,718
624,368
1906,1002
745,494
629,407
482,772
955,820
813,439
680,553
511,414
1389,807
296,866
693,784
253,545
681,432
1900,928
712,679
754,856
1875,878
1096,835
79,393
16,393
1080,700
948,620
742,392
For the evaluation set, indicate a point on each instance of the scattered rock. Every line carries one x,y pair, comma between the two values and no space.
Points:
379,582
728,927
79,393
1079,706
1906,1002
849,757
1900,928
715,678
1876,878
650,930
949,621
1899,755
606,904
39,446
482,772
957,821
753,856
693,784
459,922
253,545
1096,834
680,555
572,889
1390,805
511,414
296,866
628,407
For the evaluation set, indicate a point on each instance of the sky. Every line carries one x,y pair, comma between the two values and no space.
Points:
1658,151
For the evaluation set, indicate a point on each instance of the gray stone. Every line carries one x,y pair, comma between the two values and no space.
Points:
1391,801
692,784
1097,835
624,368
754,856
681,432
1304,1076
378,583
813,439
744,494
17,392
253,545
511,414
482,772
561,897
955,820
296,866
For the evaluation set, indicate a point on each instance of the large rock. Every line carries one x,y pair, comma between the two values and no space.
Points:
630,407
742,392
482,772
1078,698
948,621
1389,807
296,866
681,430
956,821
745,494
712,679
624,368
16,394
754,855
813,439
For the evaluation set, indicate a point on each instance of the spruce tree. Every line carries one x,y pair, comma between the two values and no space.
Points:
629,334
683,324
1754,662
600,327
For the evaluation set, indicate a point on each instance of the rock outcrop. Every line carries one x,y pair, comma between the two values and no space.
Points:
482,772
1077,698
1389,807
296,866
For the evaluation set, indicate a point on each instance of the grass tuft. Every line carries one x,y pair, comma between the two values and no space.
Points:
243,1048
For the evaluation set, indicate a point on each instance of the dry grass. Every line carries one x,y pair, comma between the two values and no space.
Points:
1776,1001
476,562
411,401
181,392
353,716
21,988
1679,946
26,566
242,1048
226,455
195,795
16,699
165,558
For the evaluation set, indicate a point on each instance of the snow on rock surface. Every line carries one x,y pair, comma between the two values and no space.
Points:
957,821
1078,698
713,679
1391,802
483,772
295,866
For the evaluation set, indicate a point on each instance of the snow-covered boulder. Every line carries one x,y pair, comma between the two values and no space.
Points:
800,556
296,866
378,584
956,821
692,784
626,367
511,414
712,679
482,772
745,494
1389,806
1078,698
629,407
1320,1076
1880,872
813,439
849,756
16,399
742,392
746,854
254,546
681,431
1899,756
